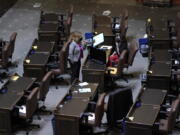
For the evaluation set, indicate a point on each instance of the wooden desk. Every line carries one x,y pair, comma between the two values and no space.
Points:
42,46
103,24
94,73
8,100
140,120
153,96
160,39
49,18
36,66
160,76
69,112
161,55
109,37
48,32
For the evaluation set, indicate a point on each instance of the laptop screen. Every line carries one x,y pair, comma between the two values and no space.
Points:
98,39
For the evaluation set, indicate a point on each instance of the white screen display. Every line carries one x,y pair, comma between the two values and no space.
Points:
98,39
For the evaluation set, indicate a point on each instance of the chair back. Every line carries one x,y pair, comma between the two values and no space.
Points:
12,42
70,14
63,56
125,14
178,28
121,62
5,56
99,111
32,103
119,103
173,114
132,50
123,29
44,88
68,22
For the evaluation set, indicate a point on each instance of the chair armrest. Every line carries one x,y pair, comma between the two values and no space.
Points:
166,106
19,107
176,72
37,84
163,112
101,98
52,65
92,106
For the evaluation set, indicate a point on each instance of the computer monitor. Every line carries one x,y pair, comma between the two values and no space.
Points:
98,39
98,55
119,103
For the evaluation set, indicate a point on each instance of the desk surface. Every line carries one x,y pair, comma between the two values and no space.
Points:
91,65
37,59
79,101
50,17
107,31
76,94
145,114
74,107
160,69
48,28
15,90
161,55
43,46
153,96
160,34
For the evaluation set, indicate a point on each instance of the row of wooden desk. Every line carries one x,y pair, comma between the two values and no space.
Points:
35,63
159,74
35,67
92,71
145,112
15,89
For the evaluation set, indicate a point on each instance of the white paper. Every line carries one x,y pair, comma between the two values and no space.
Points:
22,109
91,117
117,26
106,47
83,84
85,90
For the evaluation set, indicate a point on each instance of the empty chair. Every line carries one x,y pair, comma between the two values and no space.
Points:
28,109
44,88
60,67
117,107
178,29
67,25
125,14
4,60
123,29
124,23
12,43
167,125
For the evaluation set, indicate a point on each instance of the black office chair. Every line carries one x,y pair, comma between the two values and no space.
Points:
119,103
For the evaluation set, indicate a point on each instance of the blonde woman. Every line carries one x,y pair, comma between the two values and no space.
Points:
75,54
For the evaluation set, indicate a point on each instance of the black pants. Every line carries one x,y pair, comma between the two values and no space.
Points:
75,70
